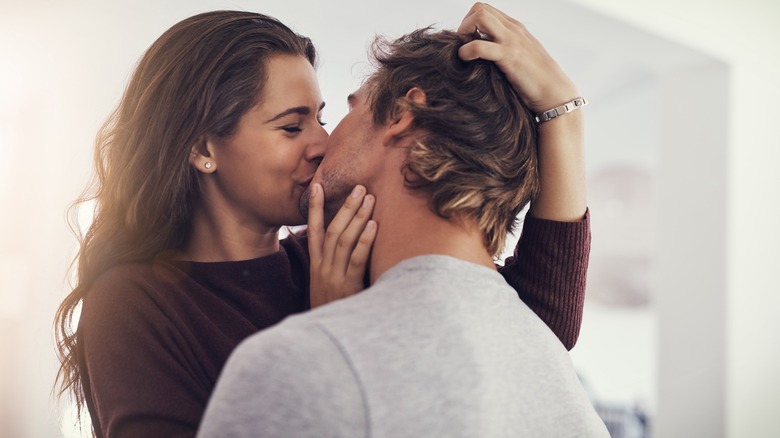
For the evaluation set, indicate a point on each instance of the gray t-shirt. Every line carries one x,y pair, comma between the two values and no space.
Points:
437,347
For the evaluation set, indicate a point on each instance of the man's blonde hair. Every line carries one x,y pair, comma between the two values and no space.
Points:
477,158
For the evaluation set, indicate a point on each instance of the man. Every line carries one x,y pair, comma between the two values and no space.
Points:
439,345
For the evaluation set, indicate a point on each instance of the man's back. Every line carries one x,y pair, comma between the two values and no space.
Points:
437,347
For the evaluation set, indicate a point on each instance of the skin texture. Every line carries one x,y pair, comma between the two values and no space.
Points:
340,256
352,157
256,176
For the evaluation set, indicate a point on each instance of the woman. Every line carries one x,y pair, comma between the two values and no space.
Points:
214,141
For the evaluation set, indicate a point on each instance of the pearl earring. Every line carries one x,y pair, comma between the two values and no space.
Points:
207,165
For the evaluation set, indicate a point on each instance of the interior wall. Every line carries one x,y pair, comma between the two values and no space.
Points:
745,36
691,287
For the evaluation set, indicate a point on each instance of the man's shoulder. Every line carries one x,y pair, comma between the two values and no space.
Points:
299,339
429,281
427,294
289,380
441,278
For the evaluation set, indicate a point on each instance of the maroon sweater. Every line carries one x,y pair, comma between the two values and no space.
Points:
155,336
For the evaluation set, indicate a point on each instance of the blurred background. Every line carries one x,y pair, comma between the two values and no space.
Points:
680,331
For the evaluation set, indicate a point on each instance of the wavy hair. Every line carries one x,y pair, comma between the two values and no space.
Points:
198,78
478,157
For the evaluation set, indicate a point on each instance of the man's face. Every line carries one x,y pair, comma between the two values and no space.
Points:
352,155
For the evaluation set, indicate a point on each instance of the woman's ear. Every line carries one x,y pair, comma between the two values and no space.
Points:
202,156
403,123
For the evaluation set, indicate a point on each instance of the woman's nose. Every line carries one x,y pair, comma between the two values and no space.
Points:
316,149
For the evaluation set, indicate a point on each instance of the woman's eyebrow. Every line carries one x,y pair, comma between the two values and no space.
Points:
302,110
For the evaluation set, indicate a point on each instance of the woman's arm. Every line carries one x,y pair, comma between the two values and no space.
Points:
548,270
133,370
550,263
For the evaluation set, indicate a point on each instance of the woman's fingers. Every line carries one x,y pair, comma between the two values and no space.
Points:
316,223
501,37
358,262
338,268
480,49
487,21
340,223
535,75
349,238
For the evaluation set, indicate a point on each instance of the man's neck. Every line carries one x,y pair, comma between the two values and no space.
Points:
408,228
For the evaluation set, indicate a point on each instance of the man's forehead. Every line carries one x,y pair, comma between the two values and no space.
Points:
358,95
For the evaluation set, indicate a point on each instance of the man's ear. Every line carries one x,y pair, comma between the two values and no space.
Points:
402,124
202,155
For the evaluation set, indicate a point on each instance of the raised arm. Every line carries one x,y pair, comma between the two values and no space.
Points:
550,263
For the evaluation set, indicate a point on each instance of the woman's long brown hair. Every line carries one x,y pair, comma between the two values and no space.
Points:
197,79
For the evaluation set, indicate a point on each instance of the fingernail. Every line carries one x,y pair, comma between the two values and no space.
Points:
357,191
313,191
367,201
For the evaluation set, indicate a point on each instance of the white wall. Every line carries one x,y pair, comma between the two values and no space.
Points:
745,35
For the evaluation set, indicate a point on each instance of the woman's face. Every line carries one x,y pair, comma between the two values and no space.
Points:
263,168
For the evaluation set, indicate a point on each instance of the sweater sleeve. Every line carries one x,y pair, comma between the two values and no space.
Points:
549,272
134,377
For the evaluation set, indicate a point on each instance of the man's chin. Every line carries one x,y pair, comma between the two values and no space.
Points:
332,206
303,203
